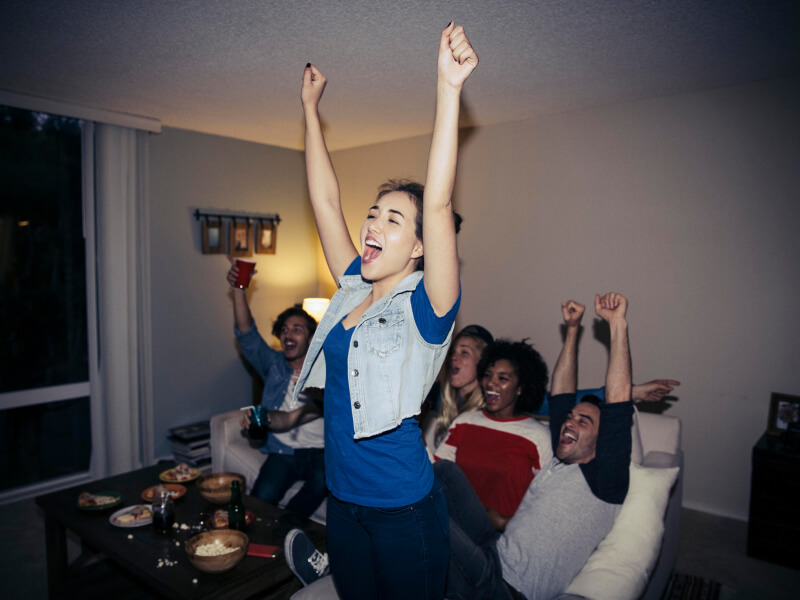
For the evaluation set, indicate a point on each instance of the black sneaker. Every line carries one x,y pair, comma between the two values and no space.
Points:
305,561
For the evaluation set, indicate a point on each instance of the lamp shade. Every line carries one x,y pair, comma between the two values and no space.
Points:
316,307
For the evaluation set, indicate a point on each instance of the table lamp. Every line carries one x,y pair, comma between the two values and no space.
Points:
316,307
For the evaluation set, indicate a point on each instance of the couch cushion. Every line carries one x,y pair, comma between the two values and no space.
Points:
620,567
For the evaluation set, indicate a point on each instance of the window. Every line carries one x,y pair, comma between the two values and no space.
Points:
44,366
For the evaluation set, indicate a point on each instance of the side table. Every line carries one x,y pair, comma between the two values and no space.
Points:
773,530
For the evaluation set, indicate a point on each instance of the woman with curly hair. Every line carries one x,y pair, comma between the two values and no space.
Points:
501,448
458,389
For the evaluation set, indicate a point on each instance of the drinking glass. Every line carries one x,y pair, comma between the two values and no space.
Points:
259,420
163,510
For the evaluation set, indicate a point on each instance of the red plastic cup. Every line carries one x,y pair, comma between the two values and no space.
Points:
245,272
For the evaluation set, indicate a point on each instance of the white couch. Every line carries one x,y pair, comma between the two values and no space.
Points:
635,560
233,452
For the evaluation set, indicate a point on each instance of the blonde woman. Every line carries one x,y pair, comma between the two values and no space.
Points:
458,389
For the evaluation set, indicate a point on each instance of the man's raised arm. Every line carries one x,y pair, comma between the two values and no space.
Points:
241,309
612,307
565,373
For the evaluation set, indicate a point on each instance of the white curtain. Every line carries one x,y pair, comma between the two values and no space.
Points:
122,421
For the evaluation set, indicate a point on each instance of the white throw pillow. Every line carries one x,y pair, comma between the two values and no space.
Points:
620,566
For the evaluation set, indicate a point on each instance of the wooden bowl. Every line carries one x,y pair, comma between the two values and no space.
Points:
227,538
216,487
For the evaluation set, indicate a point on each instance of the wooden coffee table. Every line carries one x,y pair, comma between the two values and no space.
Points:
158,561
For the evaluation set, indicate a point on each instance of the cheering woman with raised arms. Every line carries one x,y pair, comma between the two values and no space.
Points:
379,348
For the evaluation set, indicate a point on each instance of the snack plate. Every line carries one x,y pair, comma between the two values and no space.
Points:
169,477
139,523
117,500
249,517
176,491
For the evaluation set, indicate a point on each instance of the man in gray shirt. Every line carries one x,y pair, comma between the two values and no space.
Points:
571,505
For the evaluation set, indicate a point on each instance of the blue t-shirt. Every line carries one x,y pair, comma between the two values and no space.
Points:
391,469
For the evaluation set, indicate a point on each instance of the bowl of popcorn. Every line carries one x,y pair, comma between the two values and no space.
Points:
216,488
217,551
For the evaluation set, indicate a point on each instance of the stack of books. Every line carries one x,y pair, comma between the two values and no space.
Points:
192,444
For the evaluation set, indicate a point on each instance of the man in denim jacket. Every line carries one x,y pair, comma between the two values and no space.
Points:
295,452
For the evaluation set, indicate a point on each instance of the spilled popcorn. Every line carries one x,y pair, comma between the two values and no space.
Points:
165,562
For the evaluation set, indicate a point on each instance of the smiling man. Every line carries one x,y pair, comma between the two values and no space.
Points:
572,503
295,453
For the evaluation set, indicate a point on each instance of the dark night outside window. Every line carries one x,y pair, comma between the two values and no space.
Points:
43,326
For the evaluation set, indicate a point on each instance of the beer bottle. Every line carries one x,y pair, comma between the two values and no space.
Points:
236,517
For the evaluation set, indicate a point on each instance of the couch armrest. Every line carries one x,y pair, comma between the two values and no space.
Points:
220,428
224,427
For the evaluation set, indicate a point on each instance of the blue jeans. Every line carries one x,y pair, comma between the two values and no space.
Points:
280,471
474,570
389,553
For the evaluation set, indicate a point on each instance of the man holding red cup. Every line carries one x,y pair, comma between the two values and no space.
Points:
295,444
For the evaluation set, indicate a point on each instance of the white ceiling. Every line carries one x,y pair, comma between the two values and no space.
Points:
233,68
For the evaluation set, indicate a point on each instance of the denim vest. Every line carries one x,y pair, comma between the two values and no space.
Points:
391,367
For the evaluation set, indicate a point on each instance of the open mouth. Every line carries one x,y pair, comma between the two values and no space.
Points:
372,250
568,437
492,397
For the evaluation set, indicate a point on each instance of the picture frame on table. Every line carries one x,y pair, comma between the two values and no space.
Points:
213,236
240,240
266,237
784,413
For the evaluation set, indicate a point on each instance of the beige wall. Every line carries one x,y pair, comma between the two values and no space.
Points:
687,204
197,369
